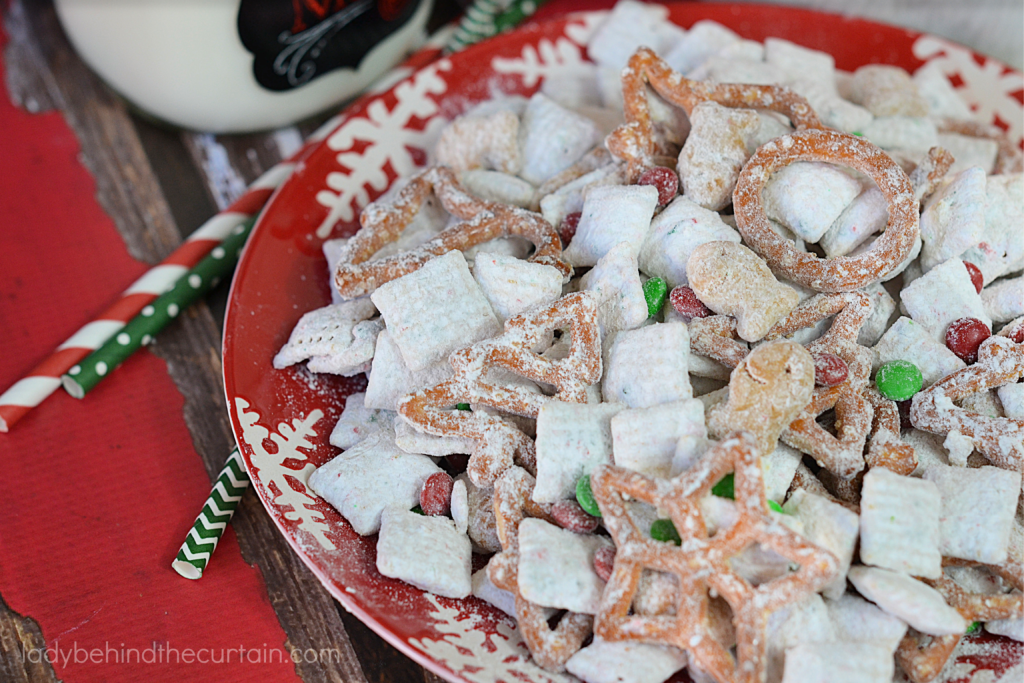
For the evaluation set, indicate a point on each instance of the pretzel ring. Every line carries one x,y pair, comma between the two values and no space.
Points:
633,142
482,221
842,273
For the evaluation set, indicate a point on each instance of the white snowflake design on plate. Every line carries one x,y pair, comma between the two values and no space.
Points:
478,656
290,440
390,138
985,87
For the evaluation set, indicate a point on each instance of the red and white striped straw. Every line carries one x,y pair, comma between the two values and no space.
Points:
44,379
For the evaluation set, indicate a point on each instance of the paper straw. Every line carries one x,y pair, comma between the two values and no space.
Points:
153,318
476,24
202,539
516,13
44,379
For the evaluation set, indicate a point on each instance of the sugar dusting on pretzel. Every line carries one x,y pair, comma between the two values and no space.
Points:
842,273
701,564
841,454
1000,439
885,449
482,221
633,142
432,410
550,648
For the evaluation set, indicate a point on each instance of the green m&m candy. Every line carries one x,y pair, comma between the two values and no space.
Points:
664,530
655,292
585,496
898,380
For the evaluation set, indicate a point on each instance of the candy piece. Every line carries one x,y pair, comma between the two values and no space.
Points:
585,496
675,233
648,366
498,440
808,197
369,477
655,291
887,91
384,222
613,662
687,304
665,531
664,179
512,285
767,390
898,594
481,142
830,526
615,281
702,562
975,525
550,647
612,214
436,494
731,280
1001,440
357,421
604,561
964,336
899,523
829,369
552,138
572,439
567,228
714,153
572,517
427,552
844,273
906,340
435,310
645,439
898,380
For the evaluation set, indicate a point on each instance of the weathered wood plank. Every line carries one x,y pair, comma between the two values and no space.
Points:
22,649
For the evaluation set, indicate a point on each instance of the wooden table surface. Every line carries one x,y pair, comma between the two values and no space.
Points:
157,185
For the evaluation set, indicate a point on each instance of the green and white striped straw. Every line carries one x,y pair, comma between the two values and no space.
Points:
141,329
210,524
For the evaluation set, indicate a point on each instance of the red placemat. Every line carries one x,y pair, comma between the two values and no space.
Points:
97,495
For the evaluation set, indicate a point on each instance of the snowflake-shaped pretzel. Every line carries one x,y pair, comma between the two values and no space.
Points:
701,565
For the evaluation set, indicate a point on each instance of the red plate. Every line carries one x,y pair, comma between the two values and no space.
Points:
282,419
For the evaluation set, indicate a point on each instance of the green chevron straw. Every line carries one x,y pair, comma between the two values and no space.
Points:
141,329
210,524
486,18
